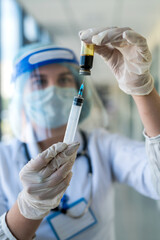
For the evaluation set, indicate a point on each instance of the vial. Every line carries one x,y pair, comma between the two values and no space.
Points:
86,58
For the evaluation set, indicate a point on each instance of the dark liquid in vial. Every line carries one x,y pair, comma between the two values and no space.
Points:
86,61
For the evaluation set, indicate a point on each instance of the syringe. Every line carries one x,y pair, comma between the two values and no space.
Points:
74,117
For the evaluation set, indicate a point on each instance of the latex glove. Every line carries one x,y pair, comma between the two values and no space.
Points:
127,54
45,180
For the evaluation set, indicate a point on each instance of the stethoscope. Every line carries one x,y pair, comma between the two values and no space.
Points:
63,206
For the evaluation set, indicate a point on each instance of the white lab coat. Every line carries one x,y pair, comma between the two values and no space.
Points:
153,153
113,158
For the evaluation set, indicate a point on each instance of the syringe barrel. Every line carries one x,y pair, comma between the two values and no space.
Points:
73,120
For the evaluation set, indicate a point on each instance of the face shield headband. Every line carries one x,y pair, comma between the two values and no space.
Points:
41,57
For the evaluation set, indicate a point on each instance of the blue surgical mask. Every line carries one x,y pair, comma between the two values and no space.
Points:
49,108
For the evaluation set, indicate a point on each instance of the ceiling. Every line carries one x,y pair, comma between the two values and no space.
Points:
65,18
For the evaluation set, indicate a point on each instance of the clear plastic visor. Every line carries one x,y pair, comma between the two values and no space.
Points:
41,103
42,100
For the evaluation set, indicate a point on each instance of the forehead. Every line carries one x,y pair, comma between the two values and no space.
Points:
55,69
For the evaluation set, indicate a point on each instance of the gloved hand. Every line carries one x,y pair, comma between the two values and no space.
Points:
127,54
45,180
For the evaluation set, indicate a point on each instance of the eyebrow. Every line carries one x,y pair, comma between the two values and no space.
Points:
65,73
44,75
37,75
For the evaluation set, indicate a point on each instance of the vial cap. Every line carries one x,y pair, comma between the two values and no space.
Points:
84,72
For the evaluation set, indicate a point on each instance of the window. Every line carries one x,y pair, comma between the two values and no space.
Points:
17,29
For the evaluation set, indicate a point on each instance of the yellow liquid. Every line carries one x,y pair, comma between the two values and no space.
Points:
87,49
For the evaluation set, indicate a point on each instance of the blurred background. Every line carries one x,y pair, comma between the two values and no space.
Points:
59,21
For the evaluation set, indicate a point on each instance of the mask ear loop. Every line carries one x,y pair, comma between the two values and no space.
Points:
46,131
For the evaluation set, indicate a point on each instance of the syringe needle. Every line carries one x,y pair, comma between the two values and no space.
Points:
81,90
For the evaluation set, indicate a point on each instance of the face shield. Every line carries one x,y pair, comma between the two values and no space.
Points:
45,83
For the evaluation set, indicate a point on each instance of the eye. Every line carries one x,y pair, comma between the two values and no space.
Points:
66,81
39,83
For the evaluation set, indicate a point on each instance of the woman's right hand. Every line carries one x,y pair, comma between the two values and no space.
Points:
45,179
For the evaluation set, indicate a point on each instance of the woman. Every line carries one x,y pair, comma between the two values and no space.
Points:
46,80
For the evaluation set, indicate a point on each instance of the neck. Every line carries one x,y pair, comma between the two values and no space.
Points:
58,135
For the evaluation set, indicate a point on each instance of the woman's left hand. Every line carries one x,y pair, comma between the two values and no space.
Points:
126,53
